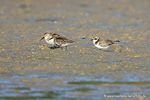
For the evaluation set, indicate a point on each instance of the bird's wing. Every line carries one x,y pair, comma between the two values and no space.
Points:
61,39
105,42
110,42
55,34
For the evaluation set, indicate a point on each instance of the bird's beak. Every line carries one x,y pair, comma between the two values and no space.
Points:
42,38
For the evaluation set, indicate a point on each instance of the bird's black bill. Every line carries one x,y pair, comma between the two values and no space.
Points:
42,38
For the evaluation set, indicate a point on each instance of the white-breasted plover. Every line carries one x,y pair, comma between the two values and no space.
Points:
103,44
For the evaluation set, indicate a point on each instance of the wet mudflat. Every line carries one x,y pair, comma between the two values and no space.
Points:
30,70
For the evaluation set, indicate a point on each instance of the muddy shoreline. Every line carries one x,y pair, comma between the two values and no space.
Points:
27,65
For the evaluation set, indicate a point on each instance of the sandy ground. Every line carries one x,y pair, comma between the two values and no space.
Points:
23,23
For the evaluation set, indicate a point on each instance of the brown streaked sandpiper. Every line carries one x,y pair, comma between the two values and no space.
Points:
56,41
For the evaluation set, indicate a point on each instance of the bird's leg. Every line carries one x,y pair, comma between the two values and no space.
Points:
66,48
61,48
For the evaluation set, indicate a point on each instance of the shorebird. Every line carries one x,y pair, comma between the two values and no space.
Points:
56,41
49,38
103,44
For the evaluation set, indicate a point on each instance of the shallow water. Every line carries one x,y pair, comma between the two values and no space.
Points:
30,70
61,86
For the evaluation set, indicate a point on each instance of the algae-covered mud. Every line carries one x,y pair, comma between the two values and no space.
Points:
29,70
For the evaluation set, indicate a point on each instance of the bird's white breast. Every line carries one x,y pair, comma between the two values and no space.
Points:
100,46
50,41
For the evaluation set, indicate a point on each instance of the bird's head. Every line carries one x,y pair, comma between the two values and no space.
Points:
95,39
47,36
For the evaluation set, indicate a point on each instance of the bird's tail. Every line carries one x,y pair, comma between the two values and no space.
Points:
116,41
